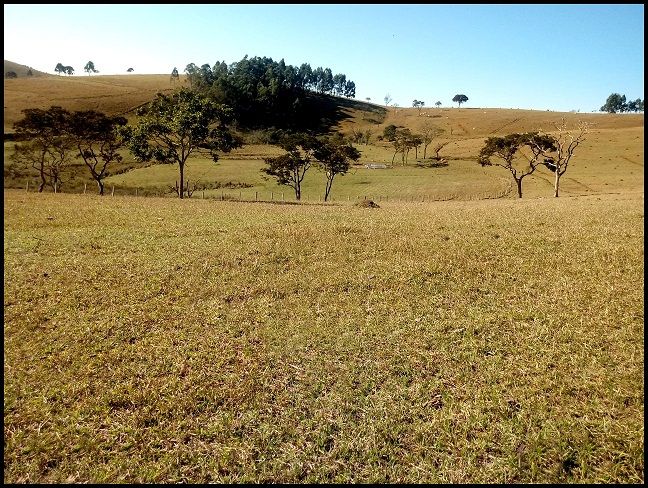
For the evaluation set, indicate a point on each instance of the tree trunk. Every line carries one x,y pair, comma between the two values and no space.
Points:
556,183
101,187
519,187
181,190
327,191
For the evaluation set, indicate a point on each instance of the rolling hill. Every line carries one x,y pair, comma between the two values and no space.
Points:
612,157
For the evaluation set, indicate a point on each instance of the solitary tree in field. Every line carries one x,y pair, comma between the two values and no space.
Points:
130,70
173,127
460,99
334,158
387,99
418,104
518,153
558,154
90,68
290,168
438,104
43,143
97,139
59,68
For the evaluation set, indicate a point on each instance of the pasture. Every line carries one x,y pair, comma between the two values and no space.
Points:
158,340
455,334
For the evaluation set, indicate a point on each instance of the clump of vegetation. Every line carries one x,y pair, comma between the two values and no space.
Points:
367,204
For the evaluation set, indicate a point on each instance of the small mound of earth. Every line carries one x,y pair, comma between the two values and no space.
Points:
367,204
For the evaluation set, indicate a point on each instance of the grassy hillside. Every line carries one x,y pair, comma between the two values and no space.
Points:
154,340
610,160
21,70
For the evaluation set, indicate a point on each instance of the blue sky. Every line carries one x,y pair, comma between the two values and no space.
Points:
556,57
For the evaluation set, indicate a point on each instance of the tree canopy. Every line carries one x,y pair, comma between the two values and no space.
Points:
616,103
173,127
460,99
264,92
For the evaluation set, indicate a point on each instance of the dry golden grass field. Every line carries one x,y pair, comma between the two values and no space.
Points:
456,334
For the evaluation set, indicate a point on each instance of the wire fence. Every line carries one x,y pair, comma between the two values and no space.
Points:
247,195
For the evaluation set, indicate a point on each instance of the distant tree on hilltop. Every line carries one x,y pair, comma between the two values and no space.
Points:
130,70
438,104
90,68
69,70
616,103
460,99
59,68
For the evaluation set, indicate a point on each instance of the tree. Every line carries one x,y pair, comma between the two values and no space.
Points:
460,99
614,103
98,140
418,104
173,127
43,143
29,72
429,133
59,68
90,68
174,75
403,141
438,104
289,169
387,99
389,132
334,158
349,89
130,70
11,74
510,150
558,154
69,70
635,105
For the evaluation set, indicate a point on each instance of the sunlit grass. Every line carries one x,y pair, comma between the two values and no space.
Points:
158,340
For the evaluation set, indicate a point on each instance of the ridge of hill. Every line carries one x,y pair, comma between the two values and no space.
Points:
122,94
21,70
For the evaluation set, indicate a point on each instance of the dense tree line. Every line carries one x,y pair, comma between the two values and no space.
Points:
267,93
616,103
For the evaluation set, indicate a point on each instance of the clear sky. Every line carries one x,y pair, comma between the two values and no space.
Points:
556,57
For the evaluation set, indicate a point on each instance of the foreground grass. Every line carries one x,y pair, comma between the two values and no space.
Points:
154,340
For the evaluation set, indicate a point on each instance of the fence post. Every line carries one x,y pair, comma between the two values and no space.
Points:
271,196
135,191
222,196
112,193
239,195
203,194
27,187
256,196
282,197
55,187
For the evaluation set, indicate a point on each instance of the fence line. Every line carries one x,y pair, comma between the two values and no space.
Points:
258,196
